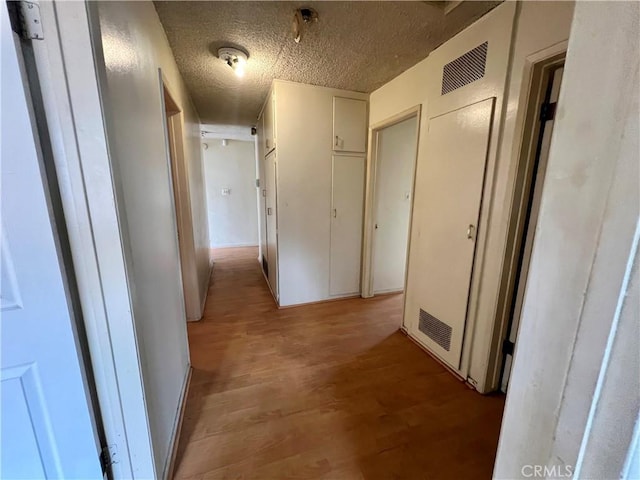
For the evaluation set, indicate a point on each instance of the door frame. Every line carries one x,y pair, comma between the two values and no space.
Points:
66,63
368,241
182,216
529,182
536,67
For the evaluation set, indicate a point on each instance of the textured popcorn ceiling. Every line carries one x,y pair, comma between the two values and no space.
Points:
354,46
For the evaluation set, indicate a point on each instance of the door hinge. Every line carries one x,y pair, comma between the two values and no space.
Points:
25,19
507,347
107,458
547,111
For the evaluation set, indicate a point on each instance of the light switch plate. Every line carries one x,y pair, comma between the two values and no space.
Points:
226,191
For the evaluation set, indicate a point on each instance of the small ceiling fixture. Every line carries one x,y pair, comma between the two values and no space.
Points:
302,18
235,58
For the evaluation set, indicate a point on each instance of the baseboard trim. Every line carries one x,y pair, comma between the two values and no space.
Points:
170,464
235,245
387,292
426,350
324,300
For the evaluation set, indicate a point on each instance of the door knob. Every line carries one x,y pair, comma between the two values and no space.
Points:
470,231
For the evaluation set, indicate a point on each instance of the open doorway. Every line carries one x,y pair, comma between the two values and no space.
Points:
546,82
180,185
391,182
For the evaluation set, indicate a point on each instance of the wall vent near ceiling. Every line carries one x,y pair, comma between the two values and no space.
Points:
465,69
435,329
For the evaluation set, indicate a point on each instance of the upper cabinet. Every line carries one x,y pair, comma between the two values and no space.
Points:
349,125
269,125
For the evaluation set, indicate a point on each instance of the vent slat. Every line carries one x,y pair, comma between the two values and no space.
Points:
465,69
435,329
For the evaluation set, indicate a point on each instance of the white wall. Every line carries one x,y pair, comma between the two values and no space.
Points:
304,122
396,158
539,28
573,394
233,218
135,47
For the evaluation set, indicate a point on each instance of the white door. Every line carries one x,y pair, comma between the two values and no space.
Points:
457,145
272,220
47,426
347,202
395,162
349,125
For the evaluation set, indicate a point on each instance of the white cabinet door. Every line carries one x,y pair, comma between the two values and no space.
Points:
347,202
47,428
269,124
272,220
447,225
349,125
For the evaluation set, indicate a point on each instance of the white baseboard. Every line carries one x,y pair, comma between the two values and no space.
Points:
169,465
235,245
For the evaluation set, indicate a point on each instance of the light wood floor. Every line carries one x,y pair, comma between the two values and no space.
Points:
324,391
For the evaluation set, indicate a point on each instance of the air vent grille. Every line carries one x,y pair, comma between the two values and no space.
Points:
465,69
435,329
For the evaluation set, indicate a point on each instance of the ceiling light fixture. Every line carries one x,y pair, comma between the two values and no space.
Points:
235,58
302,18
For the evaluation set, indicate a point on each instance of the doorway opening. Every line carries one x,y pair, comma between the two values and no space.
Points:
390,181
545,90
180,185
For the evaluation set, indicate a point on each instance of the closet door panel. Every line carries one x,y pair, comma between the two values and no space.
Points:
347,204
349,125
272,221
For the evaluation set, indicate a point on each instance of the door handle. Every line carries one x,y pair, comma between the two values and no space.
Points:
376,226
335,213
337,141
268,210
470,231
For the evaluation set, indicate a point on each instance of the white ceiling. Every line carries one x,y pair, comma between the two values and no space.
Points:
354,46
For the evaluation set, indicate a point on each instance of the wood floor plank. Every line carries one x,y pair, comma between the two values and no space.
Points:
322,391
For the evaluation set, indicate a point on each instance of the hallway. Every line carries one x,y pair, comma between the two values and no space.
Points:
330,390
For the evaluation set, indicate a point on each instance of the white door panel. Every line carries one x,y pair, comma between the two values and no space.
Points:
347,202
457,145
272,221
47,425
349,124
396,156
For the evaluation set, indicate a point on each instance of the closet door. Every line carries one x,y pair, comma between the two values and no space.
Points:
272,221
448,219
349,125
347,202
